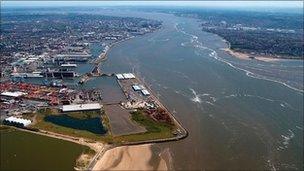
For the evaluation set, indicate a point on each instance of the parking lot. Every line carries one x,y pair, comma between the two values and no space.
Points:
120,121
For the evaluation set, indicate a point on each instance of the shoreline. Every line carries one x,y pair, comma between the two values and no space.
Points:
103,56
247,56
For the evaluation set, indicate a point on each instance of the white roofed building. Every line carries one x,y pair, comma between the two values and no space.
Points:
13,93
120,76
24,122
69,65
145,92
136,87
125,76
128,75
81,107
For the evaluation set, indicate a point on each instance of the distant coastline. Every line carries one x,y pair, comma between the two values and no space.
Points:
248,56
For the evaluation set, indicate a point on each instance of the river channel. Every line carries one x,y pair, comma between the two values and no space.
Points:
237,117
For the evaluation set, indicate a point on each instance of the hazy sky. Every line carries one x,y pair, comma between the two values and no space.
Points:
280,4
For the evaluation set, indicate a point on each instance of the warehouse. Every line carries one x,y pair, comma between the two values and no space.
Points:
125,76
119,76
15,121
136,87
81,107
13,94
145,92
68,65
128,75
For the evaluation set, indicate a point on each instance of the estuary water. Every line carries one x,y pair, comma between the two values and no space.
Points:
239,114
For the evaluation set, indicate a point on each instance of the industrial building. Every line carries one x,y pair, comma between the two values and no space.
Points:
125,76
145,92
13,94
119,76
138,87
14,120
68,65
81,107
128,75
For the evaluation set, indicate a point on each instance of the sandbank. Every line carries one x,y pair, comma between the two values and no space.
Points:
246,56
135,157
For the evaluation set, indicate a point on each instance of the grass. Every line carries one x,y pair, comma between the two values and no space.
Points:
148,123
84,115
28,116
155,130
48,126
48,111
106,123
4,127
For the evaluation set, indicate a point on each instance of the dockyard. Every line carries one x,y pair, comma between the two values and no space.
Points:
64,93
122,94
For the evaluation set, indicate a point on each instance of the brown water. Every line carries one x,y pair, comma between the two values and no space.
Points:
236,118
27,151
239,114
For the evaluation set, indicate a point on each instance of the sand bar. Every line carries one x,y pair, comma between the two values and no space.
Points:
245,56
135,157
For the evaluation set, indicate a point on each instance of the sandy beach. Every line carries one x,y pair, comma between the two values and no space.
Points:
129,158
245,56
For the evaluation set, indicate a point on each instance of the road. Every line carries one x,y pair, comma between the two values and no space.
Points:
97,156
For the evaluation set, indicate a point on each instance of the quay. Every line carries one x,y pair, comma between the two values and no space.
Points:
128,89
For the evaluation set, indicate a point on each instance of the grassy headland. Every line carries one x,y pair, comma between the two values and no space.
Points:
155,130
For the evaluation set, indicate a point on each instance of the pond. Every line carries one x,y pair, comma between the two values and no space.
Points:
93,125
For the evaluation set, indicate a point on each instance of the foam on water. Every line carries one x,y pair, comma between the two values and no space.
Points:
195,97
209,103
286,138
202,98
300,128
158,40
271,165
184,44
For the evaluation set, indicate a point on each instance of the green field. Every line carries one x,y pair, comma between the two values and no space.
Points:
155,130
27,151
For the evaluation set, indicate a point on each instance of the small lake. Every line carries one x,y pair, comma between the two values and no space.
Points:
93,125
